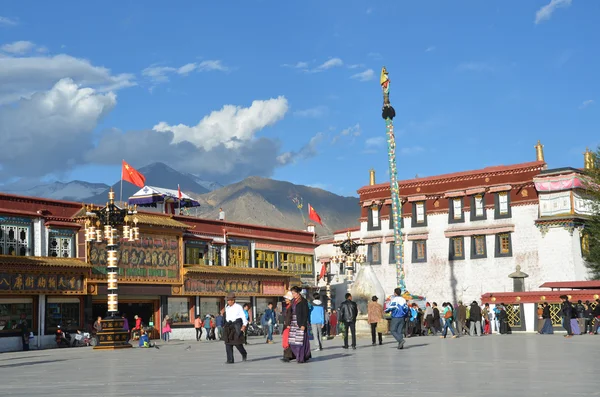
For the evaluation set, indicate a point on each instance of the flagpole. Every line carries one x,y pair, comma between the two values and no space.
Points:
121,196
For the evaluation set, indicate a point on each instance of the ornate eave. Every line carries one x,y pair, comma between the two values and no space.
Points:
41,262
568,222
206,270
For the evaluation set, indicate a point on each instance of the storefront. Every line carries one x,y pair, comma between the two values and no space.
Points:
43,293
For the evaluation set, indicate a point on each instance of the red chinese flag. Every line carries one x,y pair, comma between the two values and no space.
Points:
179,192
323,271
131,175
313,216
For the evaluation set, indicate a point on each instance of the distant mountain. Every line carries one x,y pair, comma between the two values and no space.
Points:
269,202
71,191
210,186
157,174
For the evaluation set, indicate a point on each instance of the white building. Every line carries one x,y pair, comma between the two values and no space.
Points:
465,232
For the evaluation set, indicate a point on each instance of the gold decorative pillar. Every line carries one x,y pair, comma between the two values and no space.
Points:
539,151
371,177
589,159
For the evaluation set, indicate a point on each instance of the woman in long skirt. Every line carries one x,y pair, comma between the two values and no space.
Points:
288,355
298,338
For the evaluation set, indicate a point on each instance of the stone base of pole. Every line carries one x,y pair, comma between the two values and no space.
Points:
112,336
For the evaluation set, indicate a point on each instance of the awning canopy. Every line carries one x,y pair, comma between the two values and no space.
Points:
150,196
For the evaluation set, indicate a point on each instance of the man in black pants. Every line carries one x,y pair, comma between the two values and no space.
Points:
235,325
348,313
567,313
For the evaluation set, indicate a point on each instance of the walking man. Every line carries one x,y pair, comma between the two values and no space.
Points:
317,319
475,319
461,319
235,326
270,322
567,313
348,314
399,311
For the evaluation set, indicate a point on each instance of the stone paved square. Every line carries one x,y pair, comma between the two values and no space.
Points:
495,365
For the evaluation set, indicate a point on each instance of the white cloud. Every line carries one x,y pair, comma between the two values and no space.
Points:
367,75
21,77
586,103
50,131
160,74
18,47
356,66
316,112
307,151
475,67
7,22
231,126
352,132
297,65
430,48
375,142
546,11
330,63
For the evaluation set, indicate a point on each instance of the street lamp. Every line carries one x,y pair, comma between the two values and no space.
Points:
101,225
349,255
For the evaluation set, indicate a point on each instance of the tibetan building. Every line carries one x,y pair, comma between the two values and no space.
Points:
464,233
181,266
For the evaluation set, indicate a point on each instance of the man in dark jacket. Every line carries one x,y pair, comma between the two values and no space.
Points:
348,313
461,319
235,326
475,318
567,313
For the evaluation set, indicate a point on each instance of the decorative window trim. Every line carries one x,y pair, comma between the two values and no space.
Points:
414,222
60,249
370,225
18,223
474,216
391,252
451,213
415,256
370,250
474,254
498,249
497,214
451,254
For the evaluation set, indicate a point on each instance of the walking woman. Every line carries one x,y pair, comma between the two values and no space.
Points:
288,355
547,327
448,315
375,315
298,338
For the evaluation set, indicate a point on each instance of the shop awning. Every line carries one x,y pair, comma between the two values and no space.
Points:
246,271
43,261
150,196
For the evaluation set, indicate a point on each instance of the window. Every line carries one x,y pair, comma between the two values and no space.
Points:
239,256
419,251
373,222
503,245
196,254
455,213
64,312
392,219
60,246
502,205
374,254
12,311
178,309
392,252
477,208
478,247
457,245
215,255
296,263
209,306
265,259
419,217
14,240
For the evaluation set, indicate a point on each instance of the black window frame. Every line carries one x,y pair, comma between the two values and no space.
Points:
451,218
498,252
414,222
370,253
474,254
497,214
415,258
474,216
392,252
451,255
370,226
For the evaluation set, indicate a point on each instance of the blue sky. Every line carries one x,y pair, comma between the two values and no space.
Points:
473,83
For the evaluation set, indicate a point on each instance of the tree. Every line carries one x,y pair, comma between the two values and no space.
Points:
591,239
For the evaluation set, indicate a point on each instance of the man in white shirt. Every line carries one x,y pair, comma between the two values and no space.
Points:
235,323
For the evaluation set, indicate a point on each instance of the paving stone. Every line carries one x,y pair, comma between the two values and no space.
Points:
496,365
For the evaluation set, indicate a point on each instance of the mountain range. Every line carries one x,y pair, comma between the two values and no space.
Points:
254,200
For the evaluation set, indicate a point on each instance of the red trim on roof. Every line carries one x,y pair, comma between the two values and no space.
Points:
63,224
350,229
539,296
254,237
572,284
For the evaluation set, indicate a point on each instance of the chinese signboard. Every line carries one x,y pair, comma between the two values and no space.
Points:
153,257
221,287
23,282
